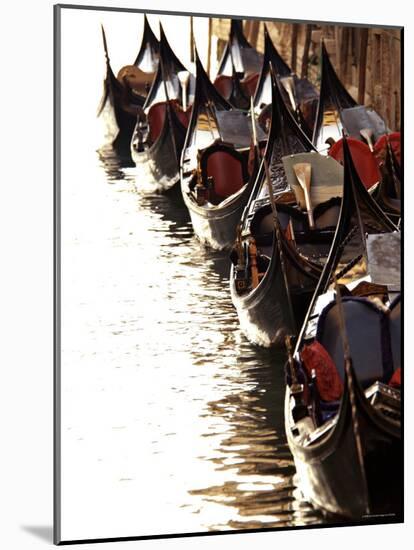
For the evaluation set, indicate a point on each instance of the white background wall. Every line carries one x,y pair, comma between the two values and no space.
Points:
26,218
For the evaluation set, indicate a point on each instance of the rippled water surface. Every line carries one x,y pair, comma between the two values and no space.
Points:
171,421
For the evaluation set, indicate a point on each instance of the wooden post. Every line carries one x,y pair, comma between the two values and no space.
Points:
210,28
343,55
305,58
247,28
294,46
192,43
254,32
387,84
362,65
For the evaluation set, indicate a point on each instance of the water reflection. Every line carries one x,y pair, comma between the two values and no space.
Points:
186,430
248,450
114,162
255,453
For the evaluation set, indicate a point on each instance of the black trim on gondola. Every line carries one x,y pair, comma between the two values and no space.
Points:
332,93
238,49
238,98
149,50
205,93
171,66
388,192
280,67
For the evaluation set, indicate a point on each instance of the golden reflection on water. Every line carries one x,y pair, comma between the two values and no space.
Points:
175,419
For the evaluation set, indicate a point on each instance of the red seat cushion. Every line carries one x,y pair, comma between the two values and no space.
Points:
365,162
156,116
316,358
380,146
395,381
249,84
224,85
183,116
227,173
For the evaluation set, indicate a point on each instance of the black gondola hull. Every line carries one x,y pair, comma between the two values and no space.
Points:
158,165
215,227
119,123
329,471
264,314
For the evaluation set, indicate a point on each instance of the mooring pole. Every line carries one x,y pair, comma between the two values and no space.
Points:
362,65
210,30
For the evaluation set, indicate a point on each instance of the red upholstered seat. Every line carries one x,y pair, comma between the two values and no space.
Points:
316,358
380,146
224,85
365,163
183,116
156,116
249,84
226,168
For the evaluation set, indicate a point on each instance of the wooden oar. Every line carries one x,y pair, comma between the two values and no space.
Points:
192,42
289,86
368,134
210,30
183,77
303,173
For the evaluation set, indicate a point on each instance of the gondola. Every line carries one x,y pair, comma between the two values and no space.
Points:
342,406
124,96
264,307
298,93
158,137
337,110
215,179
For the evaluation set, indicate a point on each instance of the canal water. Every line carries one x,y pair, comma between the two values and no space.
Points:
171,421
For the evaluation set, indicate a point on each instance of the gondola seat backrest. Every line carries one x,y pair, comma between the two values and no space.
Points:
156,117
368,334
365,162
183,116
249,84
227,168
224,85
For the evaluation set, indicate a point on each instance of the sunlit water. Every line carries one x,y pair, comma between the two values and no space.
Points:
172,421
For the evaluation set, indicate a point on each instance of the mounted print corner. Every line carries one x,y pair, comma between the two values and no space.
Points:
228,259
